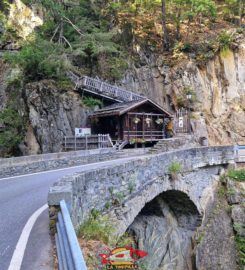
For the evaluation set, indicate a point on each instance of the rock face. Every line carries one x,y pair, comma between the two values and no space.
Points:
53,114
222,231
219,87
23,18
164,229
216,246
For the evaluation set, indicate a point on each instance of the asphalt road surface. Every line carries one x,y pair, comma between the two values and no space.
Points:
20,197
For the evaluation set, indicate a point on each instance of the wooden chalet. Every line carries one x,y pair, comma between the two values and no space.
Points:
137,121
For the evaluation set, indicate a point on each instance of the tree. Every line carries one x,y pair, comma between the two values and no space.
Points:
164,27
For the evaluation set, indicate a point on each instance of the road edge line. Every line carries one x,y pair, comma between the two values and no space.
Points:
18,255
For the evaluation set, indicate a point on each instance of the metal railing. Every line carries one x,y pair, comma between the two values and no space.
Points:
88,142
102,88
239,152
69,253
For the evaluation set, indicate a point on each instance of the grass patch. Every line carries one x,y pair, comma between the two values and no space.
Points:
240,243
97,227
237,175
175,168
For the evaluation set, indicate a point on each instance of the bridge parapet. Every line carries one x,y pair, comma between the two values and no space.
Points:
149,176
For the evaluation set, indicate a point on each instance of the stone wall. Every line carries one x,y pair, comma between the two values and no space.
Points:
37,163
139,182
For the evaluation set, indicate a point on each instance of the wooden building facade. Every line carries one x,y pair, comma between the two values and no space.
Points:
138,121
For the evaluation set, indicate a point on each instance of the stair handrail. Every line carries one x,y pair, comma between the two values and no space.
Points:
100,86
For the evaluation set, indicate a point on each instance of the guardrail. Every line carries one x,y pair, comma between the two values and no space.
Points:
68,250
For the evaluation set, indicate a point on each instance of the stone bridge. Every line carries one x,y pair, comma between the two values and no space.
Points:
160,208
134,184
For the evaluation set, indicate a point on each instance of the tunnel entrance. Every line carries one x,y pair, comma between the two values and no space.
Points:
164,228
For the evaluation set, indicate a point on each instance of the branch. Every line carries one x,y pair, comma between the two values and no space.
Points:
55,32
73,25
67,42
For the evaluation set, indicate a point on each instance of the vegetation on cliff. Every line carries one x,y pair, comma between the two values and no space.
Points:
105,37
101,37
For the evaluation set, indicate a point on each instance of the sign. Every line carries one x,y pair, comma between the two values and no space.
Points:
181,122
122,258
81,132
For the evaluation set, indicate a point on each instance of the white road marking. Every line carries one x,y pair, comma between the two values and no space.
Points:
68,168
18,255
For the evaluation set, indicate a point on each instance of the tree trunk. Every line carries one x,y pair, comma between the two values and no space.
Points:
178,24
164,27
240,12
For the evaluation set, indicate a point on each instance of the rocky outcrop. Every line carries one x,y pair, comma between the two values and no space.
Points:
215,239
164,229
219,87
222,232
53,113
23,18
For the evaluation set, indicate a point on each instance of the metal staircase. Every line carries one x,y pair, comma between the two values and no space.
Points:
102,89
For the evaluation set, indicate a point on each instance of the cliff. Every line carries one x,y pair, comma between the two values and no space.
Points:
219,86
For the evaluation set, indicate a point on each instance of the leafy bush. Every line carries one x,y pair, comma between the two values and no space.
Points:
40,59
237,175
13,132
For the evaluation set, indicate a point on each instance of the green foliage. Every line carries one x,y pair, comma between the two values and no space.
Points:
13,131
107,205
175,168
240,243
92,102
237,175
40,59
131,186
119,198
225,39
97,227
125,240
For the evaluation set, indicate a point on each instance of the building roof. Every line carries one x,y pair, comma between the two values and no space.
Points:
122,108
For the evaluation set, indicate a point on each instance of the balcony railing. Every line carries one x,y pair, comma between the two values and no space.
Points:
144,135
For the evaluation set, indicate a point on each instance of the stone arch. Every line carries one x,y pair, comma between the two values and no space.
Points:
164,228
125,215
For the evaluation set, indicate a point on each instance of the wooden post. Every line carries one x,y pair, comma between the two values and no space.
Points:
86,142
128,125
98,140
151,128
143,126
75,143
65,143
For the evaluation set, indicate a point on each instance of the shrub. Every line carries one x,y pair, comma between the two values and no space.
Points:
13,132
92,102
225,39
97,227
175,168
40,59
